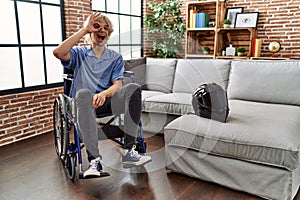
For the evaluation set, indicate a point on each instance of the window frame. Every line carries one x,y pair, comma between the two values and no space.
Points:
43,45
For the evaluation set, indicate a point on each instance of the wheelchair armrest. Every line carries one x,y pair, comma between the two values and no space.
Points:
68,76
130,75
71,76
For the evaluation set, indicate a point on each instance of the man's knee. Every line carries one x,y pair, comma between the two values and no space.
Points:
83,94
133,88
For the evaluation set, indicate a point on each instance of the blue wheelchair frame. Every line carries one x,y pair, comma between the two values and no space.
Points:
69,148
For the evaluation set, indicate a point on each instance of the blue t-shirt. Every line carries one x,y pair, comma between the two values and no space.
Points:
90,72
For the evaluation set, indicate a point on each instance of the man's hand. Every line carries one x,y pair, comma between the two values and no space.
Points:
93,25
62,52
99,99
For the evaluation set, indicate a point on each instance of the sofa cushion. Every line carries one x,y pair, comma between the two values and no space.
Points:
150,93
138,67
160,74
172,103
256,132
265,81
190,73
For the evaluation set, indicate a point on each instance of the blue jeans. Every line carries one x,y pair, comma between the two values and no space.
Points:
127,100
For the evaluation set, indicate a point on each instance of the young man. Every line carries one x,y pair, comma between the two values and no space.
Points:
97,86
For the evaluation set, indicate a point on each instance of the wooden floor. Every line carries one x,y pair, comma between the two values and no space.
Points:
31,170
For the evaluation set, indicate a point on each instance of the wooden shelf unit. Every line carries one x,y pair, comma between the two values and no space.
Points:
197,38
216,38
269,58
232,57
237,37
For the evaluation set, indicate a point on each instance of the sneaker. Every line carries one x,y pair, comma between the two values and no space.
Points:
133,159
94,169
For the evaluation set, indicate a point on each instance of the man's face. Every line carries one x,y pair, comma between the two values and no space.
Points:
101,36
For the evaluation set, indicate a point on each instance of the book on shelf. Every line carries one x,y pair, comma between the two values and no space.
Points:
192,15
202,20
256,47
253,47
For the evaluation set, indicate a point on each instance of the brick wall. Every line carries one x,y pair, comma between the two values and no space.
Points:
75,14
278,20
26,114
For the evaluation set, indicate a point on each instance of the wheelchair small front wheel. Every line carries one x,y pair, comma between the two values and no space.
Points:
71,166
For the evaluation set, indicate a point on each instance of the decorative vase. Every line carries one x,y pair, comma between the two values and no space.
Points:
226,25
205,52
230,51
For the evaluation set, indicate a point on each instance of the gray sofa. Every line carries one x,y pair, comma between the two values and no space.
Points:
256,150
168,84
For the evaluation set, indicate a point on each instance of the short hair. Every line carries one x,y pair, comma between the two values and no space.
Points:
100,18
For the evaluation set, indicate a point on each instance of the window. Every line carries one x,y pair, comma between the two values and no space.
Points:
126,16
33,28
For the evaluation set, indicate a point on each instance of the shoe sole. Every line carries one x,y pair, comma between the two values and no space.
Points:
135,164
102,174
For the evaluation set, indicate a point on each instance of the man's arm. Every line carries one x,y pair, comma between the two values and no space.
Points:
100,98
62,52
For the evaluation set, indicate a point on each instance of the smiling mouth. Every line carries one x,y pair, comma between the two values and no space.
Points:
102,37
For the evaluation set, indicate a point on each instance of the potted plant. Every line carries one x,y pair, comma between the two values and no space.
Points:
165,26
241,51
226,23
206,50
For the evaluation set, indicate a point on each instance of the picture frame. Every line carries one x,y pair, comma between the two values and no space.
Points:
231,14
246,20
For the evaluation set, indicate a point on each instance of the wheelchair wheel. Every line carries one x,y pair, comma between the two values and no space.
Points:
61,135
70,165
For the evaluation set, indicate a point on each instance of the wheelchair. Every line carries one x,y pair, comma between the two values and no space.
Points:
66,133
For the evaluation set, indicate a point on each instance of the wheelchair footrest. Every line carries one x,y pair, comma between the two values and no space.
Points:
102,174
